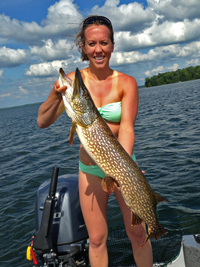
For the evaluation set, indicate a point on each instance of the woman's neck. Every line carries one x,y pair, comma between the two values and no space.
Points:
99,74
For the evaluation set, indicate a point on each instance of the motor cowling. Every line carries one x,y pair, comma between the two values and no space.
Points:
68,226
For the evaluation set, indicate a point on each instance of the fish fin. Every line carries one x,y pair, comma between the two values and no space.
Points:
135,219
108,184
159,231
159,198
72,133
147,237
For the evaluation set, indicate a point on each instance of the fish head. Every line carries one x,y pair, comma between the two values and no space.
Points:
78,102
81,98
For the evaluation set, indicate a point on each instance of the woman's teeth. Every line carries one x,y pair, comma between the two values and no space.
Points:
99,58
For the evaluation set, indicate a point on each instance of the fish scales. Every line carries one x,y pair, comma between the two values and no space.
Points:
121,167
104,148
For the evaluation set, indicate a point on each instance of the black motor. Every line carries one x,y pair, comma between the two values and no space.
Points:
61,235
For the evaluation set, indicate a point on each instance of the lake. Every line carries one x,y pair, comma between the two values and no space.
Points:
167,133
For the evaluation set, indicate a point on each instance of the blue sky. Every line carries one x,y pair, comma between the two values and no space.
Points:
151,37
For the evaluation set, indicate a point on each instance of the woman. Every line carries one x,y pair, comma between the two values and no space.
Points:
116,96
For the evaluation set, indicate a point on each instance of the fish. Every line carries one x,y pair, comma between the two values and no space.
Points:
106,151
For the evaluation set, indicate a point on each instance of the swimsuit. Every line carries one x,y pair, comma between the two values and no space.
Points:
110,112
94,169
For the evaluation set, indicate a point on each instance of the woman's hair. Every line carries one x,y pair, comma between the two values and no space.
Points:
80,36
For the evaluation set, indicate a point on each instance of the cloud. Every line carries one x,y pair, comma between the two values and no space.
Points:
61,14
53,50
173,68
22,90
1,73
5,95
158,69
156,55
44,69
175,10
52,68
131,17
162,53
62,18
193,62
11,57
156,35
161,69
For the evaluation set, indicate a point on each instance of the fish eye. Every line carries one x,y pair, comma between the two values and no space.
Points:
85,94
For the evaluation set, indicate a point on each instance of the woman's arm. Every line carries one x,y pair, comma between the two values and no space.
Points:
126,134
53,107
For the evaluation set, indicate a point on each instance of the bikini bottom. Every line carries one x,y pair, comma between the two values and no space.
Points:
94,169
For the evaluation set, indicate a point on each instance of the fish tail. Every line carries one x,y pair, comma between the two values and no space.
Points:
160,231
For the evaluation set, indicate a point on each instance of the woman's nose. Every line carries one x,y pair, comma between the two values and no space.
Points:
98,48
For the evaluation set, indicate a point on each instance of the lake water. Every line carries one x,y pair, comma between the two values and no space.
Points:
167,147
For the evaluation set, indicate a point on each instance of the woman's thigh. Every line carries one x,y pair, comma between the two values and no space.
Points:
135,233
93,202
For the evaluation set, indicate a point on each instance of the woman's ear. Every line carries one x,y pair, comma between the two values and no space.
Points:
113,45
83,48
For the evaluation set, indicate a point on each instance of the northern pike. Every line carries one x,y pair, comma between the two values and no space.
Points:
106,151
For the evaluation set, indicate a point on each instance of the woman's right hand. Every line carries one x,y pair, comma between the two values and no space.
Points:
59,89
53,107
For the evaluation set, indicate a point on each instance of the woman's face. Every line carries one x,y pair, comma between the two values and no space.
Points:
98,45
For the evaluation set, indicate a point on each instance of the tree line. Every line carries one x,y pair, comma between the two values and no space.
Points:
187,74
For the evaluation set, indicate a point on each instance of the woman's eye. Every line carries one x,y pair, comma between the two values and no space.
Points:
104,43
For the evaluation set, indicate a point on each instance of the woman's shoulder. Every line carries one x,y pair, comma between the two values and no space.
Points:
126,80
71,75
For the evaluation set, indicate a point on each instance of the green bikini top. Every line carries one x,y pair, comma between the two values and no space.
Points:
111,112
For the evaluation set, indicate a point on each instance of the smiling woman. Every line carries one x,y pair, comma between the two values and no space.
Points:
95,41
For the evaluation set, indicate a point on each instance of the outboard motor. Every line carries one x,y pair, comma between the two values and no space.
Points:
61,235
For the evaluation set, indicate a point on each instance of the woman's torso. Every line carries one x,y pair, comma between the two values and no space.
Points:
103,92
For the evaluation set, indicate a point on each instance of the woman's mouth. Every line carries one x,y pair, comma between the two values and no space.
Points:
99,59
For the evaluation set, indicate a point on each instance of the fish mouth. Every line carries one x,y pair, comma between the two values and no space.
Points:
77,84
62,73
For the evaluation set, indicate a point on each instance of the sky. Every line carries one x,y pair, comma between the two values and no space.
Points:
36,39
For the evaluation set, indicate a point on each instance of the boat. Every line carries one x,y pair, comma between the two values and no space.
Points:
61,238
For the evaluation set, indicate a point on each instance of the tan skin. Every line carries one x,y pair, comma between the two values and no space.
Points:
105,86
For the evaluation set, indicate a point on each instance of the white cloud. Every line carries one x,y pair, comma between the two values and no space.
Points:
5,95
173,68
192,62
54,50
62,18
131,17
163,34
158,69
22,90
61,14
161,69
11,57
1,73
44,69
174,10
162,53
52,68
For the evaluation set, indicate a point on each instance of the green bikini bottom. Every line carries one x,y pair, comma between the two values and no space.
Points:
94,169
